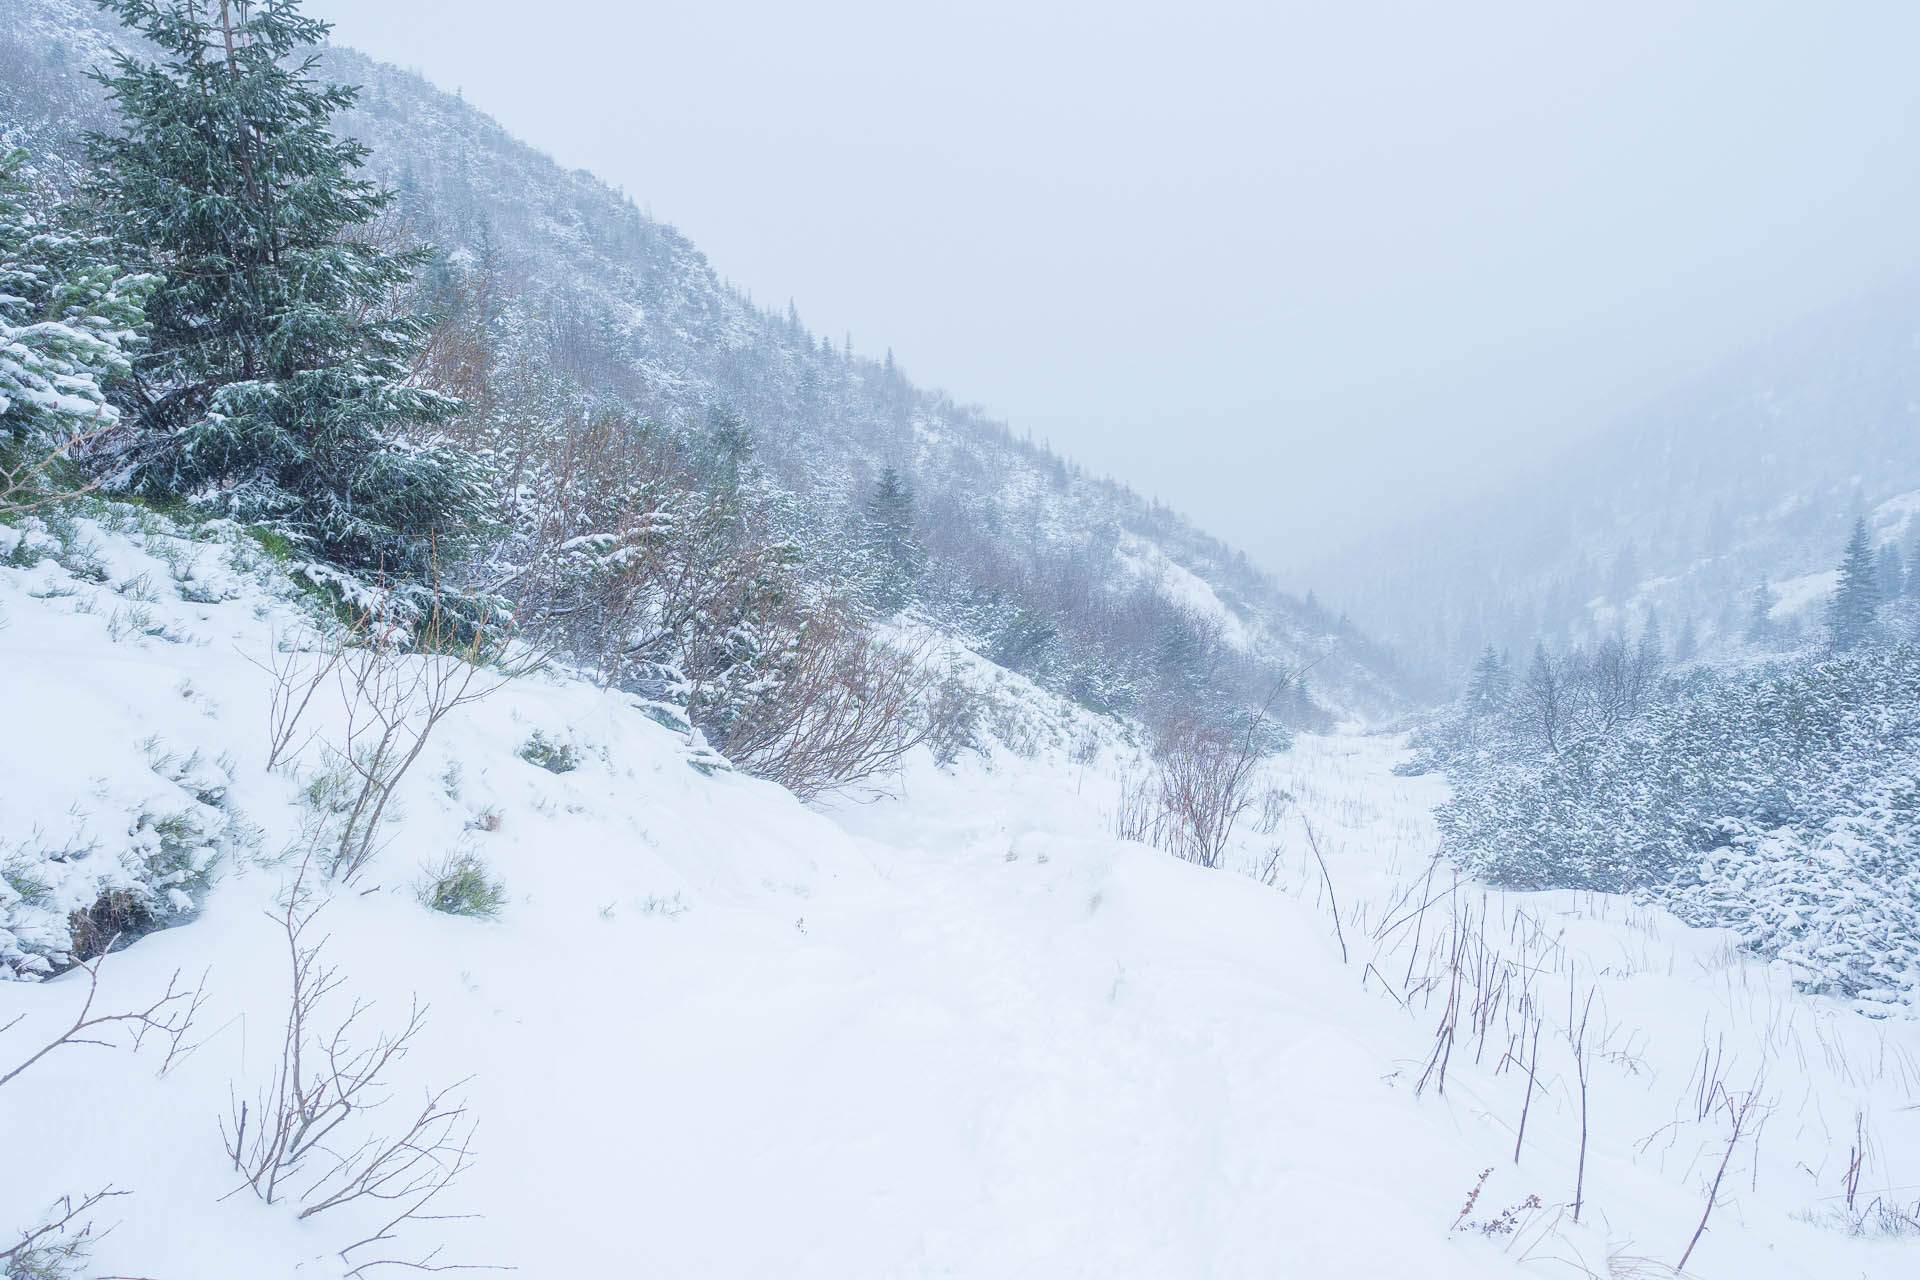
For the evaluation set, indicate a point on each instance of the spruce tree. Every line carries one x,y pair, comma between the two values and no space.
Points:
1487,689
892,541
1688,641
275,388
1854,611
1893,572
1650,655
68,319
1760,613
727,452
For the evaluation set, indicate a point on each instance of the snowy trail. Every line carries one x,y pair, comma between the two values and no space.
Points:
968,1070
1085,1059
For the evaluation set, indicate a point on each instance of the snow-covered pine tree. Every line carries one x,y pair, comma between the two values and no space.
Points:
68,318
276,387
1650,655
1893,572
1687,642
892,539
1854,612
727,451
1760,602
1487,689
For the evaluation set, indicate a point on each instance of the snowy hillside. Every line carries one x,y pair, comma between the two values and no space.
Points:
964,1032
1753,470
640,318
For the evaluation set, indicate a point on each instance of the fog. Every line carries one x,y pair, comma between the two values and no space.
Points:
1297,269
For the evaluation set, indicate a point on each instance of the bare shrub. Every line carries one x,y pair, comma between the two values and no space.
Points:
169,1018
1856,1159
306,1137
1532,1061
844,707
952,720
297,673
1137,815
1544,697
1203,789
61,1240
1473,1198
660,558
1201,785
394,698
1744,1111
1446,1032
628,557
1506,1222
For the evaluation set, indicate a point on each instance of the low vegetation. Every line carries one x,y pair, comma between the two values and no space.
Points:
1779,801
462,886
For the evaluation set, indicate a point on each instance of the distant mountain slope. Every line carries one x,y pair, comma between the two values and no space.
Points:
654,319
1755,468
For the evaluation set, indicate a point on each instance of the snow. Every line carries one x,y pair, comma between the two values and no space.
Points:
1795,595
1893,519
1149,564
960,1032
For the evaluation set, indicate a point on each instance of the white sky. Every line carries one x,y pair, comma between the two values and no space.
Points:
1290,266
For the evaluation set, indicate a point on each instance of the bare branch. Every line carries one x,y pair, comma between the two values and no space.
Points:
170,1016
41,1245
307,1138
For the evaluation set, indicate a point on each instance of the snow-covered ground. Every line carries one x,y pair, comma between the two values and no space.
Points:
960,1032
1804,596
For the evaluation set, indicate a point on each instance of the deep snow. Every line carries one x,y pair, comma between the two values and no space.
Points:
961,1032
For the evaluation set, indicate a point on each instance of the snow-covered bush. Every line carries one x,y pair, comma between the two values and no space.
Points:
68,318
554,757
1781,803
462,886
1839,902
676,570
67,893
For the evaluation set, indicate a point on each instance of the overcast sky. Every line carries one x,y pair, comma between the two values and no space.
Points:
1290,266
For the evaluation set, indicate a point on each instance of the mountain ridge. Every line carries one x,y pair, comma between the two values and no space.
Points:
1755,467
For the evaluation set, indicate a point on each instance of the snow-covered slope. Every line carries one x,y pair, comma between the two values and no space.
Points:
962,1032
